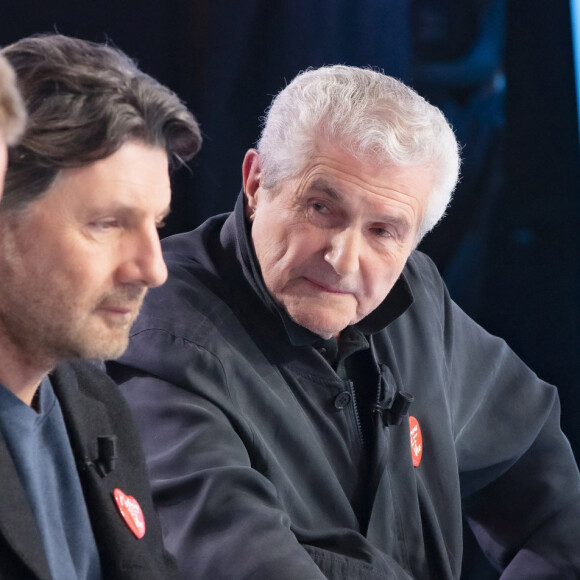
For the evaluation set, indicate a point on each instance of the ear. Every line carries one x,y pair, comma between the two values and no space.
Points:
251,175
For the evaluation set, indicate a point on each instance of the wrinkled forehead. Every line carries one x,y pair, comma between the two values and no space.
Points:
369,167
373,158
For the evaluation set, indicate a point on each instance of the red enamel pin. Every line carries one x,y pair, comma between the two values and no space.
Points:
416,441
131,512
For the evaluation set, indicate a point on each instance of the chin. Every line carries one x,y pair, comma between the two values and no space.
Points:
104,349
113,350
324,328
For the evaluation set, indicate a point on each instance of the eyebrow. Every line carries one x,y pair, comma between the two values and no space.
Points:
322,185
127,210
325,187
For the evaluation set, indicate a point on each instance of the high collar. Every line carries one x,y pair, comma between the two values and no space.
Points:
397,301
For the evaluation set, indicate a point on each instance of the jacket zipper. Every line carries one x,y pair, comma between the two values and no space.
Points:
377,407
350,386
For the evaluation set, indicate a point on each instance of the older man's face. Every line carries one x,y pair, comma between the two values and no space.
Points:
332,242
76,263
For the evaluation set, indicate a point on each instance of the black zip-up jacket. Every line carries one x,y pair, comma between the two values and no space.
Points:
254,442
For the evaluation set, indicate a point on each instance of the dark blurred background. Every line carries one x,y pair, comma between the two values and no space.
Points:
503,73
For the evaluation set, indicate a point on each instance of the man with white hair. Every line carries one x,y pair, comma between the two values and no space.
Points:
312,402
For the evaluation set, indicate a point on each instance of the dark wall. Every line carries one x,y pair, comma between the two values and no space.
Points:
530,293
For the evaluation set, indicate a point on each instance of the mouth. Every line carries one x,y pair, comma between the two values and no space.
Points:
123,302
324,288
120,310
120,314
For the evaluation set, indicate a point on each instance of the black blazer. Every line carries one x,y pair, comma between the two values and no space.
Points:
92,407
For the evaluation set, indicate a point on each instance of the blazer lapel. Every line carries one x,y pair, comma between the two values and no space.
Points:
86,419
17,523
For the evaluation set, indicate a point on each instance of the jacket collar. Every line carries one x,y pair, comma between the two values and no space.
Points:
395,304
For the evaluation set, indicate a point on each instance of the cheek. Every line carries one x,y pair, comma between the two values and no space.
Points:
269,236
381,277
78,268
295,251
284,244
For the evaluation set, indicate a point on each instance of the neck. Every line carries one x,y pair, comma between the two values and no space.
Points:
22,373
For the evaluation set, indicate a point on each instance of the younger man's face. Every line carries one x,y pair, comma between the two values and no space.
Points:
76,263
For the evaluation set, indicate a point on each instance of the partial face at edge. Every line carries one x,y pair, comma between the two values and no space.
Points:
75,264
332,242
3,162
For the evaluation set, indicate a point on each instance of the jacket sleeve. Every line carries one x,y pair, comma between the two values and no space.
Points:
222,518
519,478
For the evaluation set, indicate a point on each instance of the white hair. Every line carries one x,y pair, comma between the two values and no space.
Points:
367,114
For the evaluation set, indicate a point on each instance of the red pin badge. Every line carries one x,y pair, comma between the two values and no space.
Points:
131,511
416,441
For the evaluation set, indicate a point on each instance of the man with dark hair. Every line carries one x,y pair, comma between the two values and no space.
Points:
86,188
278,363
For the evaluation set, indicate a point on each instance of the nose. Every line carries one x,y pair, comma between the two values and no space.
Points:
145,264
343,252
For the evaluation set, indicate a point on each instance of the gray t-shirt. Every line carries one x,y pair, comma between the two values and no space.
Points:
41,451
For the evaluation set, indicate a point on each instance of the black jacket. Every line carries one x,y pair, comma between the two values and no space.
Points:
92,407
254,442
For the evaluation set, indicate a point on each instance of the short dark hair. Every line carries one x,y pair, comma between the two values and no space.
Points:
84,101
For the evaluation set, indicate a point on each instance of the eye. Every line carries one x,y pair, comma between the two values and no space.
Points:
319,207
105,224
381,232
